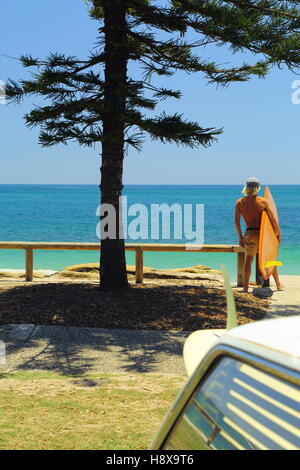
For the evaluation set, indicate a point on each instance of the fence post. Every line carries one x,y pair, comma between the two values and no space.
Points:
139,266
240,269
29,264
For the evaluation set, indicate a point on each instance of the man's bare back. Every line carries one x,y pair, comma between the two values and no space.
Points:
251,208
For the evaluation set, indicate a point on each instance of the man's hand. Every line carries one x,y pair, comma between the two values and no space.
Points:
242,241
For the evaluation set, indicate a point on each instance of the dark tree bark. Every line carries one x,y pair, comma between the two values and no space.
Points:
112,262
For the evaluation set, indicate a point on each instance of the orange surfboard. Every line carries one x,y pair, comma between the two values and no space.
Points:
268,243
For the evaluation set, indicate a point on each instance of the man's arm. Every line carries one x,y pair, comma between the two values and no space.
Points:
273,222
237,221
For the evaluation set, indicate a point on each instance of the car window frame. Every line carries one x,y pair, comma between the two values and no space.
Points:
206,366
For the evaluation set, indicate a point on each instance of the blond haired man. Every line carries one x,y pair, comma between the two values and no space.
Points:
251,207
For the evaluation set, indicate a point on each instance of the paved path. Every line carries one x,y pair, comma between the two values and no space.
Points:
71,350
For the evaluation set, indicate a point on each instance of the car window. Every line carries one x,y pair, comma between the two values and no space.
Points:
237,407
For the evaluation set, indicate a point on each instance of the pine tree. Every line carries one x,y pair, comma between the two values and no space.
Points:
96,100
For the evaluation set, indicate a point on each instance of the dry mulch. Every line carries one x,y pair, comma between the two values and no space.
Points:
173,305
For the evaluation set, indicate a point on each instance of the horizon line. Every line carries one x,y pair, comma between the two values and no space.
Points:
145,184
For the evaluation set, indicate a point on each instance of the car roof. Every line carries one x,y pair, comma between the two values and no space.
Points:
280,335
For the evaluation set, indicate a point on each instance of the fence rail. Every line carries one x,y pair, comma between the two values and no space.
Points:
139,249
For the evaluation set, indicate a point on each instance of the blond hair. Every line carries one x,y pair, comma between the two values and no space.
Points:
250,190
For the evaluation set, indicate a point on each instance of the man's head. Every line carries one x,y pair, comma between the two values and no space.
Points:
251,187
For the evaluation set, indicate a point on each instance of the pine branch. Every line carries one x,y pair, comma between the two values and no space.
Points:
174,129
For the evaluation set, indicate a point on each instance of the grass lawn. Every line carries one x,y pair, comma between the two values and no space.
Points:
109,412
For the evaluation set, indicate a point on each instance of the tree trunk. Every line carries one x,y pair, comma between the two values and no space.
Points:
112,262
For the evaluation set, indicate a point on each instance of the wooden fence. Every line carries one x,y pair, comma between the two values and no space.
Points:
139,249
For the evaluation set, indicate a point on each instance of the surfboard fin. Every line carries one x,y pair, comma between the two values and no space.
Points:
270,264
232,321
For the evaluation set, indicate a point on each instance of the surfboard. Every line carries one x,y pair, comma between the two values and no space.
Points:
268,243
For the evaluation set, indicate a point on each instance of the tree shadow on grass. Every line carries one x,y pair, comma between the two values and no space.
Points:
77,351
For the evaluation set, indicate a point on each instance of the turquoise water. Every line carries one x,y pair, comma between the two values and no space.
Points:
68,213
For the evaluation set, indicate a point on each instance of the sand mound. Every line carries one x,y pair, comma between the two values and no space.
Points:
78,275
91,271
193,272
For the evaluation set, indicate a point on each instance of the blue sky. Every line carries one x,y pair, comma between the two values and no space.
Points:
261,125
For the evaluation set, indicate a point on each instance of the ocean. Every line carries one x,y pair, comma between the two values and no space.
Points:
67,213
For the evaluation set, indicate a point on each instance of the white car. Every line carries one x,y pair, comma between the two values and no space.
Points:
243,392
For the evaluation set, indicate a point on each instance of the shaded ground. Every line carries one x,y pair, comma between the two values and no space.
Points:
157,305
